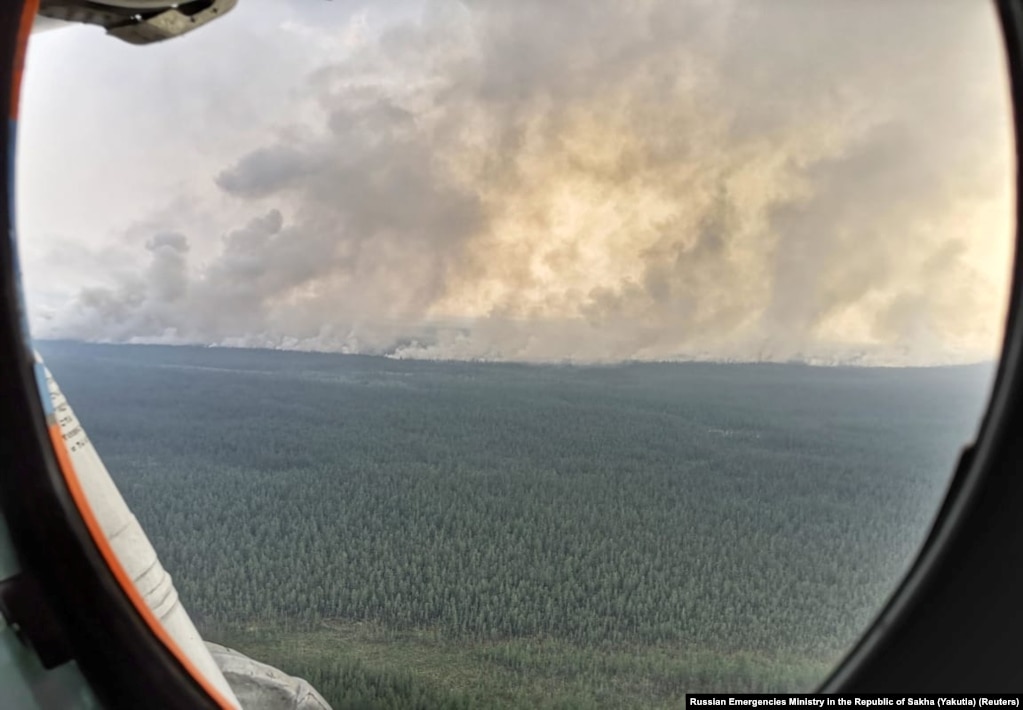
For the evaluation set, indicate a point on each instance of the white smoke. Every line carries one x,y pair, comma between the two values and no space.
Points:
598,181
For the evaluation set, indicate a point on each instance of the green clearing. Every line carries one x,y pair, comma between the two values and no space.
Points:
365,665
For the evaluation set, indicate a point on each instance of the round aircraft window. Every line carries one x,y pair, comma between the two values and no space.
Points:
571,353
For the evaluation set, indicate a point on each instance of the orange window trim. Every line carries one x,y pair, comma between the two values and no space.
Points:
125,582
28,15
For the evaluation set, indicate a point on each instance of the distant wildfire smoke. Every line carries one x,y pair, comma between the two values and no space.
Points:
605,180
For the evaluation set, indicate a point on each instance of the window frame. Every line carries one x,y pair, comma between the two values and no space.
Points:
954,624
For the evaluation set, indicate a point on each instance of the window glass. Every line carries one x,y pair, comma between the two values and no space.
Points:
576,353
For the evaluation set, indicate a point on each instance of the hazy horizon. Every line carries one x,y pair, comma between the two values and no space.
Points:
576,363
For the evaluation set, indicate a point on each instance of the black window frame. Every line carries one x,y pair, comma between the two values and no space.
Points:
955,624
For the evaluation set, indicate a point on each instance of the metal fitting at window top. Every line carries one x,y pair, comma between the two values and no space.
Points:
138,21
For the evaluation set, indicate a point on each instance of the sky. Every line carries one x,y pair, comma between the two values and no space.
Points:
587,181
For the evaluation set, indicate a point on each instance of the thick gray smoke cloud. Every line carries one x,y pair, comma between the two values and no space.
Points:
606,180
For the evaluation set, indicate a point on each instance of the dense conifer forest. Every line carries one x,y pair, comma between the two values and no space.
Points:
438,534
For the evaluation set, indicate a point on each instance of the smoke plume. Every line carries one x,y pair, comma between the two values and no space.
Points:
599,180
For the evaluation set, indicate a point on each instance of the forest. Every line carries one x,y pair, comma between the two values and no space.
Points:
412,534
